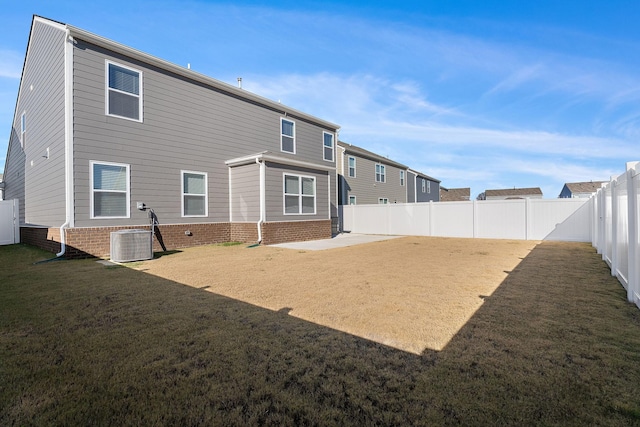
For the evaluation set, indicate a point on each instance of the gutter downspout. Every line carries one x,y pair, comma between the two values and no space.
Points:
262,197
68,140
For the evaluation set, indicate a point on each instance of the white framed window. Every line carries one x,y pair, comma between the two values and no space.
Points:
23,128
424,185
429,187
381,173
401,178
352,166
110,191
383,201
299,195
123,92
327,141
195,199
352,200
287,136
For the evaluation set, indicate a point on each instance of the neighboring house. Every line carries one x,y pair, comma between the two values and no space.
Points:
425,188
100,128
580,189
455,194
513,193
365,177
368,178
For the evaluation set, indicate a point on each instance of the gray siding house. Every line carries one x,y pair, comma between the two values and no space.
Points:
100,128
368,178
426,188
365,177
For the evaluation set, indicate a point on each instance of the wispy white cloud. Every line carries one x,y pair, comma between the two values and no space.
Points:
11,64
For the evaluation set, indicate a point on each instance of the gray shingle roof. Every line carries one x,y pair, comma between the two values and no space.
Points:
455,194
510,192
358,151
584,187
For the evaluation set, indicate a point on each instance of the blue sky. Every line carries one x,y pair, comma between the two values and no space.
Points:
481,94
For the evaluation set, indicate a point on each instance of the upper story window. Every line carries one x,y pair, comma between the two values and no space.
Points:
383,201
23,128
287,136
194,194
352,200
109,190
402,178
424,185
299,195
352,166
429,187
124,92
381,173
327,146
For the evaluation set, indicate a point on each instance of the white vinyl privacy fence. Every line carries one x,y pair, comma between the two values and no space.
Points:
522,219
9,223
616,228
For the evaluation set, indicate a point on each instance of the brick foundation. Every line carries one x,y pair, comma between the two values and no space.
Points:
95,241
246,232
298,231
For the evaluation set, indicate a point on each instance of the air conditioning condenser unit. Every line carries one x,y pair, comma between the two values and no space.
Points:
131,245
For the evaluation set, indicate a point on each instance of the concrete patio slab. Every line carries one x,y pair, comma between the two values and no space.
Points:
339,241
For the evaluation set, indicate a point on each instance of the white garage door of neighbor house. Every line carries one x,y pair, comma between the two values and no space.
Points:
9,227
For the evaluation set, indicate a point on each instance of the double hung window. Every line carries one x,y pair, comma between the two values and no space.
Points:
401,178
109,190
352,167
327,139
424,185
194,194
124,92
380,173
352,200
299,195
287,136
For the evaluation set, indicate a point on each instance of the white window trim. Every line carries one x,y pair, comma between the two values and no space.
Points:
424,185
294,135
23,128
354,167
354,200
92,190
284,194
402,178
206,194
333,143
383,173
107,89
383,201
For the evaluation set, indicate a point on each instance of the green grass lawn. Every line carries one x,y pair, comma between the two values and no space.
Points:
85,344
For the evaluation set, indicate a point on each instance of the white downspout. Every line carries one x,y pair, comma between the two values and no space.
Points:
262,198
68,141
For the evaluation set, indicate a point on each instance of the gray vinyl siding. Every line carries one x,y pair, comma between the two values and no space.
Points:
245,193
40,186
411,187
14,171
365,187
186,126
433,196
274,192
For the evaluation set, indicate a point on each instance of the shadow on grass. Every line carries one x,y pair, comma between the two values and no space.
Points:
81,343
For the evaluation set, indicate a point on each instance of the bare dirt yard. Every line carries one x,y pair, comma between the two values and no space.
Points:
410,293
